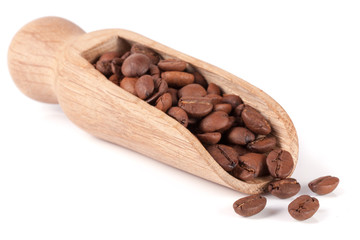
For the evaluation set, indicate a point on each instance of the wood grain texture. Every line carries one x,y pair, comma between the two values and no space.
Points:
105,110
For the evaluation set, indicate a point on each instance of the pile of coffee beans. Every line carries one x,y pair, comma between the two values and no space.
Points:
236,135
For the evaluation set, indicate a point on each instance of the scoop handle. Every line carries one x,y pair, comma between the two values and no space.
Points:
32,55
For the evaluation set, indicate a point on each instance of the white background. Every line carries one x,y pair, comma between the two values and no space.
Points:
58,182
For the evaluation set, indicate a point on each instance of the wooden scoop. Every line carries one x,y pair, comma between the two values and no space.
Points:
50,60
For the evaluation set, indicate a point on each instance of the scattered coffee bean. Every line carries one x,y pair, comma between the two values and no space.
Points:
303,207
324,185
249,206
280,163
224,155
284,188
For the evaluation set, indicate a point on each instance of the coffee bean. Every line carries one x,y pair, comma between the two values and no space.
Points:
116,66
192,90
250,166
240,135
164,102
177,79
144,86
214,121
232,99
151,54
225,107
114,79
303,207
179,114
214,98
213,89
209,138
174,97
135,65
262,145
324,185
254,121
172,65
239,149
104,63
199,79
284,188
249,206
224,155
128,84
154,71
280,163
161,87
230,124
196,107
238,110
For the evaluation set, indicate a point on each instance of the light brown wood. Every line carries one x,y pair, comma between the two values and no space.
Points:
50,61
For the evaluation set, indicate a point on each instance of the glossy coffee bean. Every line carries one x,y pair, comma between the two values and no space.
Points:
284,188
324,185
303,207
213,89
128,84
196,107
144,87
114,79
164,102
177,79
225,107
172,65
192,90
174,93
249,206
151,54
214,98
262,145
254,121
214,122
240,135
199,79
250,166
224,155
179,114
280,163
135,65
103,65
239,149
154,71
209,138
232,99
161,87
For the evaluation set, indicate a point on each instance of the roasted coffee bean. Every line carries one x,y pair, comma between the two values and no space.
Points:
238,110
280,163
196,107
164,102
249,206
179,114
214,121
135,65
104,63
324,185
114,79
240,135
229,125
232,99
161,87
254,121
209,138
225,107
116,66
284,188
303,207
199,79
214,98
154,71
239,149
213,89
128,84
224,155
192,90
250,166
174,97
151,54
172,65
177,79
262,145
144,86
